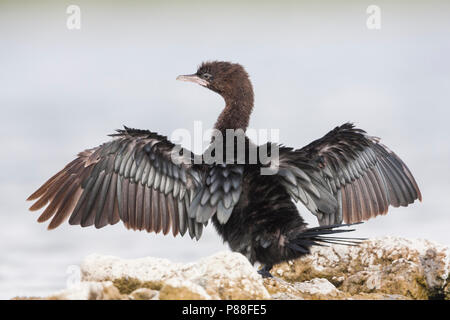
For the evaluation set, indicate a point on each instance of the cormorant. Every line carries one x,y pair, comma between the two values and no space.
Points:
346,175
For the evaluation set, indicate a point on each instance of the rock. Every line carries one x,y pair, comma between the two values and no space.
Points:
385,268
144,294
447,291
178,289
90,291
317,287
313,289
225,275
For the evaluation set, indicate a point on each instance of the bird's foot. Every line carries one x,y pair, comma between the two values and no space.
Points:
265,271
265,274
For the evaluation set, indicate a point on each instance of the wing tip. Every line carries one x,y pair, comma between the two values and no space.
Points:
37,206
32,197
51,227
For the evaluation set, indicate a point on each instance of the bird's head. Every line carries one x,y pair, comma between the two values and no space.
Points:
226,78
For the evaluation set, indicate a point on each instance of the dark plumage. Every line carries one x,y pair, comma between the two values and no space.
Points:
345,176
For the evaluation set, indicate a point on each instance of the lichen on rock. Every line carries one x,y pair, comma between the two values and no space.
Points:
416,269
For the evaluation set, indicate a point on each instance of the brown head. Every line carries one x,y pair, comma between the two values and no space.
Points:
232,82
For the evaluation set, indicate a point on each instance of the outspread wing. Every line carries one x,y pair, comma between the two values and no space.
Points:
347,176
131,178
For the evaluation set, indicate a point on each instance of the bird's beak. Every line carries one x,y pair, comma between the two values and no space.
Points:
193,78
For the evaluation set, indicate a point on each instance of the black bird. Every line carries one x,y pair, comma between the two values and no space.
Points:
346,175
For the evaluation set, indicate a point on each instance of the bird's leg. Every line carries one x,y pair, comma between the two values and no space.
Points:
265,271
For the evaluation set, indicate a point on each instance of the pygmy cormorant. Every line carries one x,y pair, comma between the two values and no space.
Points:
346,175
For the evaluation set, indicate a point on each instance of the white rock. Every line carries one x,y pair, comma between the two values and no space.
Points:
144,294
225,269
88,291
317,286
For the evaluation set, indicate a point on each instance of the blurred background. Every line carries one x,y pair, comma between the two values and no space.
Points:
313,66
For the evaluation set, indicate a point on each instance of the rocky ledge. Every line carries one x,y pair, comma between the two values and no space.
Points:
384,268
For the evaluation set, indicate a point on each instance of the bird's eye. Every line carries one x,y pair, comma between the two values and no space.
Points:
206,76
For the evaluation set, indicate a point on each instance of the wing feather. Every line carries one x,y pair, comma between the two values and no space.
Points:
349,175
131,178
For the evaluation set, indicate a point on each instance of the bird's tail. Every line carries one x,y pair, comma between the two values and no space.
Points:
319,236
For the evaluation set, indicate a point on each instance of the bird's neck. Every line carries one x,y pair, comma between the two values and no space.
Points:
237,111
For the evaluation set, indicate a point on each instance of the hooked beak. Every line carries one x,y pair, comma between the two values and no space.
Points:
193,78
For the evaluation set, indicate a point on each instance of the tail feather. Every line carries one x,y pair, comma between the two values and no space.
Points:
318,236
